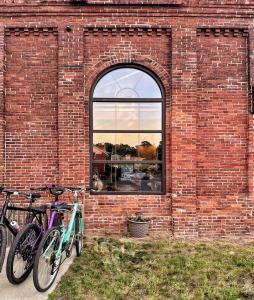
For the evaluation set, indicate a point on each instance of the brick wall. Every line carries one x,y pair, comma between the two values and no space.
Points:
30,109
201,51
222,132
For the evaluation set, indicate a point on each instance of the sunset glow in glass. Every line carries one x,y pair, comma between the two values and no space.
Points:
127,132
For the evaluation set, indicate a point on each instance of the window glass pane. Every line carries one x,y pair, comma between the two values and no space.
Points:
127,116
106,87
150,115
148,88
127,146
127,177
127,83
150,146
104,145
104,116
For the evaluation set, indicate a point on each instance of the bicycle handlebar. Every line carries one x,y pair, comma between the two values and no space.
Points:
53,189
16,193
79,189
39,188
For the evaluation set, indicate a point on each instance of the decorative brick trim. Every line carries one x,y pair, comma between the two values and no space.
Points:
30,30
132,2
122,31
233,32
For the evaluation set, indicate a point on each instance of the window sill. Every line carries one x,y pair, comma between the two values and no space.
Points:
127,193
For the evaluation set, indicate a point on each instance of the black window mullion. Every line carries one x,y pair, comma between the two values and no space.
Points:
150,100
126,131
128,162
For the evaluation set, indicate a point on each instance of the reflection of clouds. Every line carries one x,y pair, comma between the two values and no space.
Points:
116,77
111,85
127,116
127,93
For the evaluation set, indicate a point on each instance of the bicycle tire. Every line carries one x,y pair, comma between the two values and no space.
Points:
24,254
78,234
40,250
3,244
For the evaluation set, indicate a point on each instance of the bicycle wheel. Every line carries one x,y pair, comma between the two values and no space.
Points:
79,233
46,264
22,252
3,244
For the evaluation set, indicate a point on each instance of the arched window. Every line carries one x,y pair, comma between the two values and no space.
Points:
127,132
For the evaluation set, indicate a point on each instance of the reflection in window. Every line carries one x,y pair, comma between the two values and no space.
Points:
128,177
127,148
127,116
127,83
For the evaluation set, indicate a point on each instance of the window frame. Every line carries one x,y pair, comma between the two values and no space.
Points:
161,100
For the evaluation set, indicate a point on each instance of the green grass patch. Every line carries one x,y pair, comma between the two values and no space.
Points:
113,270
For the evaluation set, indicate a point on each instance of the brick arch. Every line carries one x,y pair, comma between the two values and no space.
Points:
139,60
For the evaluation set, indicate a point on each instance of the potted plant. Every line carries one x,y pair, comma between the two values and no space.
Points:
138,226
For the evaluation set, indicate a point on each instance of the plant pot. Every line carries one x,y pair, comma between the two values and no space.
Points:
138,229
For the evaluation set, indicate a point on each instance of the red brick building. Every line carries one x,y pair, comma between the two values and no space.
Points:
162,89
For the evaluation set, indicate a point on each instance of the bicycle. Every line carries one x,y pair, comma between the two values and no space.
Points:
32,215
23,249
56,241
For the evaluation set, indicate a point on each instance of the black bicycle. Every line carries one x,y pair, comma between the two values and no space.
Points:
33,215
23,249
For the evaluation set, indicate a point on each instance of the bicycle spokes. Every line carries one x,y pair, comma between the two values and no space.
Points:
48,262
23,255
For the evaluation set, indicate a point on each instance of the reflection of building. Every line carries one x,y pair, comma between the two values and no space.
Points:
99,153
126,172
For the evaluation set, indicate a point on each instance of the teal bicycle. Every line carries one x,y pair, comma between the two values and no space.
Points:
58,240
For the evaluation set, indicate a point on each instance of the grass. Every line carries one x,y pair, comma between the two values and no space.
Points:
113,270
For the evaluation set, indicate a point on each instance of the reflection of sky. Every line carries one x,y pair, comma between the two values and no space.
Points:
127,83
127,116
131,139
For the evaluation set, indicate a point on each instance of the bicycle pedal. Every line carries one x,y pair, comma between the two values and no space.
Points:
66,246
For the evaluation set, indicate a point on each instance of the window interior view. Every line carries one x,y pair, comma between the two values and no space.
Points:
127,132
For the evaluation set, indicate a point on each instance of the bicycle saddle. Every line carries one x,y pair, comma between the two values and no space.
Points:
61,206
56,190
35,196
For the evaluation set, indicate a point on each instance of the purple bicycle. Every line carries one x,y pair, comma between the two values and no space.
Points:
23,249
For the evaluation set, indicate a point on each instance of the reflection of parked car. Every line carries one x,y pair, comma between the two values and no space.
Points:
147,182
137,177
126,176
155,185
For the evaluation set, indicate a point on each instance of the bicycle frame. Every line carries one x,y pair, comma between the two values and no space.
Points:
50,225
41,225
66,233
4,220
53,214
